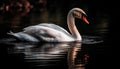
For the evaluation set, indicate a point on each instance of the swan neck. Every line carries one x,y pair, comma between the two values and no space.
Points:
72,27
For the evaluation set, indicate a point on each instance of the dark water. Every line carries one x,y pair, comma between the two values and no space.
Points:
93,53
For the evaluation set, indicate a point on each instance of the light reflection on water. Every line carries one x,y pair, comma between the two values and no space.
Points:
45,55
48,54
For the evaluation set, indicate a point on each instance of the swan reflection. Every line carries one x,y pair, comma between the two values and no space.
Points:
42,51
48,54
76,58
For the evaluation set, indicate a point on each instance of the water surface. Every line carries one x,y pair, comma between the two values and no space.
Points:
93,52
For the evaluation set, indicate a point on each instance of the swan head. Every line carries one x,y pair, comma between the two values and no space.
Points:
79,13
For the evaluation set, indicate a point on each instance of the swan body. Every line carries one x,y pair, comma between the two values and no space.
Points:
53,33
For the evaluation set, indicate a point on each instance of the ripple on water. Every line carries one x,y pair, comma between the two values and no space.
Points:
91,39
86,39
48,54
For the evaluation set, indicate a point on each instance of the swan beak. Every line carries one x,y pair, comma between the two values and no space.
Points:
85,19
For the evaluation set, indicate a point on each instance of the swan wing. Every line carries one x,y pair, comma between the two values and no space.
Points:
48,32
50,25
43,33
56,27
21,36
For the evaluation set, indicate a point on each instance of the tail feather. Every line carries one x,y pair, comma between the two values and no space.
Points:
21,36
10,33
13,35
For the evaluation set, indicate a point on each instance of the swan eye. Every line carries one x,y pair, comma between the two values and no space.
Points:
77,14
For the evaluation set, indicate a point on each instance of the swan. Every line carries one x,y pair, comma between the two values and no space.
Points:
48,32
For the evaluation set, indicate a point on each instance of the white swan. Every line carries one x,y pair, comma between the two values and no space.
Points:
53,33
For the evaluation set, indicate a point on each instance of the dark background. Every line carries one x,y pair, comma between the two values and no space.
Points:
95,9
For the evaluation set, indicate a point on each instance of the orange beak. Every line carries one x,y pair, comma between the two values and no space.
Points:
85,19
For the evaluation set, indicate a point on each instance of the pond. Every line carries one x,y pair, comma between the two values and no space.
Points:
93,52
